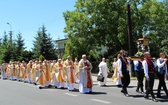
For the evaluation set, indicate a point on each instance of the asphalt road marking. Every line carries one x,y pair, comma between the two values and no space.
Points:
74,95
101,101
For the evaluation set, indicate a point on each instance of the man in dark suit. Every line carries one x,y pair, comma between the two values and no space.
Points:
124,72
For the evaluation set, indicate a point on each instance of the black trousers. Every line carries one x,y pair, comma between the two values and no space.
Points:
140,78
161,84
125,82
149,85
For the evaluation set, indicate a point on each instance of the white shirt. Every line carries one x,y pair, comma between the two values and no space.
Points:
145,66
114,64
120,66
136,63
163,64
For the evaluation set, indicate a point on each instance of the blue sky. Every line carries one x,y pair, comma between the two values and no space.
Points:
27,16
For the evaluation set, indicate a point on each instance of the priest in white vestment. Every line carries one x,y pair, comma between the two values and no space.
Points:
104,70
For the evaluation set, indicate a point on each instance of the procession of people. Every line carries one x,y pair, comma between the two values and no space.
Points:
63,74
51,73
146,67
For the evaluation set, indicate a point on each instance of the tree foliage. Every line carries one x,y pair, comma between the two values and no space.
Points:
97,23
15,50
97,28
12,50
43,45
20,47
154,18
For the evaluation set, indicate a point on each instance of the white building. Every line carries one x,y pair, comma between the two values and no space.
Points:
61,43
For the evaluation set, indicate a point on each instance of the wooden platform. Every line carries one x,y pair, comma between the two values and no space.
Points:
136,58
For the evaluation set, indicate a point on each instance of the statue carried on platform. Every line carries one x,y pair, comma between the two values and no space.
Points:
143,46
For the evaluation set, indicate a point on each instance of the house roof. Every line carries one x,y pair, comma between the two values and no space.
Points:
60,40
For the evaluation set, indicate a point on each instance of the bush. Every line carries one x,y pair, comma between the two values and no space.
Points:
41,58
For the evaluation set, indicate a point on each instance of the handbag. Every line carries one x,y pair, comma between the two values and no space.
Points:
100,78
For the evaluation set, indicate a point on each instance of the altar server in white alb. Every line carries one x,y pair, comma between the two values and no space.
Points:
104,70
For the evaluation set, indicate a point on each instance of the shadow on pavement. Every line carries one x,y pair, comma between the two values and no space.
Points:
137,96
156,90
52,87
132,86
75,90
96,93
163,100
112,86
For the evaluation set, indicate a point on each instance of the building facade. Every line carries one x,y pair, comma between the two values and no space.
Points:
61,43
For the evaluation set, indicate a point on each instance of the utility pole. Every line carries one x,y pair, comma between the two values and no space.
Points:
130,42
129,30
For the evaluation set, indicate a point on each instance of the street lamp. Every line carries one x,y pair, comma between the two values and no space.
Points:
10,32
10,26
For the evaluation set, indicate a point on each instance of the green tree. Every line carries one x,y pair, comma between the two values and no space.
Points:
19,47
154,23
5,49
27,55
41,58
15,51
5,40
165,46
43,45
165,2
97,23
0,41
164,42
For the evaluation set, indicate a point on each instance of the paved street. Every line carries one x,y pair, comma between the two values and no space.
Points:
19,93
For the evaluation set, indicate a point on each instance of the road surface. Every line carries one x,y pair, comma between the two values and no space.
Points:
19,93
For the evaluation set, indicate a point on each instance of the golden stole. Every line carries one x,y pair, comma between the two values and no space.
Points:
41,78
47,73
60,74
89,81
71,74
